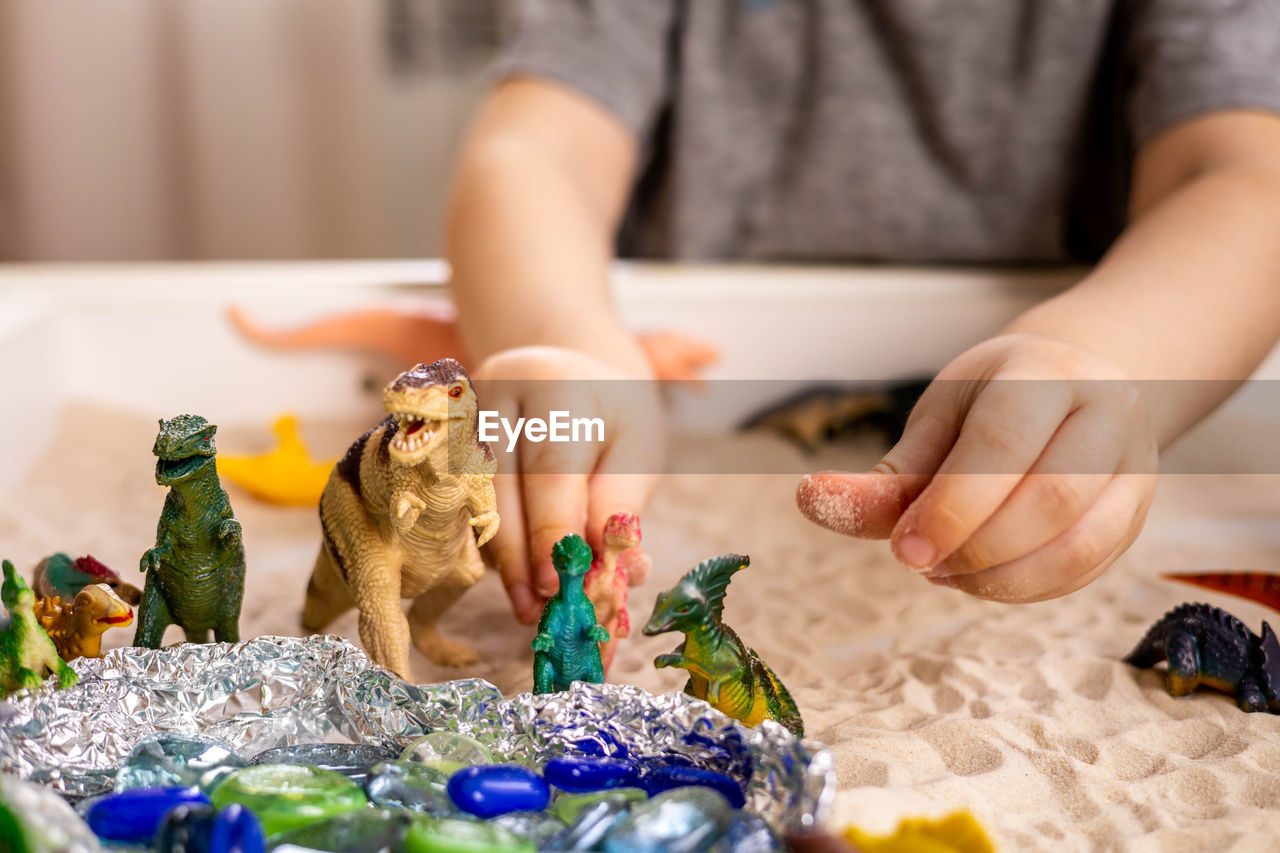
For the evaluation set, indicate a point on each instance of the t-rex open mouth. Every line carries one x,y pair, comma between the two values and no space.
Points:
175,468
414,432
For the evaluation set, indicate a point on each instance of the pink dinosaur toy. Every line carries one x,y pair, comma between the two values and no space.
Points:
607,581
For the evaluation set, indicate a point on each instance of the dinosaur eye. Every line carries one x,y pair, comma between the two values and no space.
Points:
455,391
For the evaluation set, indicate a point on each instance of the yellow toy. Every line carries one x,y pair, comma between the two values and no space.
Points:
956,833
285,475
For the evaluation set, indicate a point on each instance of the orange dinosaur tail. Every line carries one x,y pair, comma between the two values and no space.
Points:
1259,587
409,338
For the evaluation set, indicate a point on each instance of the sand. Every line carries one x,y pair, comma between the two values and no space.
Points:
929,700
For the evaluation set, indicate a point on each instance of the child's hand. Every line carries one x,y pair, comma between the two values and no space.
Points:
1024,471
549,490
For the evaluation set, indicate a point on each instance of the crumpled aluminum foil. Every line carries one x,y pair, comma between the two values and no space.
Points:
278,691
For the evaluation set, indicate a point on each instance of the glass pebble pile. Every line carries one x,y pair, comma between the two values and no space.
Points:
446,793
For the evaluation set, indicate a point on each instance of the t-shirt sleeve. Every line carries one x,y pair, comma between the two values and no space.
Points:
1195,56
613,51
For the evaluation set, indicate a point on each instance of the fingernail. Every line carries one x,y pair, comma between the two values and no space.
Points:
941,580
916,551
942,570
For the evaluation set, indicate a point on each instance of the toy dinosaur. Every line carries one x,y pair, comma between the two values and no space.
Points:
821,413
403,516
607,581
195,572
64,577
958,832
27,654
431,333
1207,645
76,627
566,648
722,671
1259,587
286,475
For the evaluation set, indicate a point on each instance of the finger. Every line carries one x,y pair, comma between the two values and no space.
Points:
1063,483
1076,557
509,548
869,504
612,494
637,564
866,504
1004,432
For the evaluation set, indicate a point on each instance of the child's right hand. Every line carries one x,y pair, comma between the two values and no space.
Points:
547,491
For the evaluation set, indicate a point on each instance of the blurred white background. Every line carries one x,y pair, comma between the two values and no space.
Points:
141,129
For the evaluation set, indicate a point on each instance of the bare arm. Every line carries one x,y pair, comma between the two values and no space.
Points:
1025,491
1192,288
541,185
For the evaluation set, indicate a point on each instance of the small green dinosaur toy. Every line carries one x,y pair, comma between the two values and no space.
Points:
722,671
26,652
195,573
566,648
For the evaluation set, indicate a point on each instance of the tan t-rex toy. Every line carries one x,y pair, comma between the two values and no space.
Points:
398,514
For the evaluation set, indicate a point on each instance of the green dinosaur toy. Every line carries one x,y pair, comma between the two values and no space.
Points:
722,671
195,573
26,652
566,648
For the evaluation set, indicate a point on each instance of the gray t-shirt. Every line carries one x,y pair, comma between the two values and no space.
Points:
906,130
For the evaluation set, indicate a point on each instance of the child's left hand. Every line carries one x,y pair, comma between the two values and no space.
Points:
1024,471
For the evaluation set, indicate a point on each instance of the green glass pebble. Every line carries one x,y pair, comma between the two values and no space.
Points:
287,796
454,835
538,828
567,807
176,760
365,831
448,751
407,785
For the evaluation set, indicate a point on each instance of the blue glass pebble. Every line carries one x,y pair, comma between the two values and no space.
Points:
682,820
591,826
747,833
583,775
488,790
663,777
134,816
201,829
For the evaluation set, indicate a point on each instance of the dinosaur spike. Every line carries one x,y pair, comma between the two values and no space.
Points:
1270,648
712,576
1259,587
93,567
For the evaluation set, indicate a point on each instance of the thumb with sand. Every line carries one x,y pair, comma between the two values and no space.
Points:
866,504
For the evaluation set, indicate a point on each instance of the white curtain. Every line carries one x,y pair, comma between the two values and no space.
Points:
218,129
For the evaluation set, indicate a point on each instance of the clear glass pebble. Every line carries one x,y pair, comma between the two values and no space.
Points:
449,751
174,759
406,785
682,820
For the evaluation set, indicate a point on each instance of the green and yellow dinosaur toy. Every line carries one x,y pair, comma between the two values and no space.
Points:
27,654
722,671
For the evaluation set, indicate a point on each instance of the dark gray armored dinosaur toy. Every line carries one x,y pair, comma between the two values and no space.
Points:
195,572
1207,645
